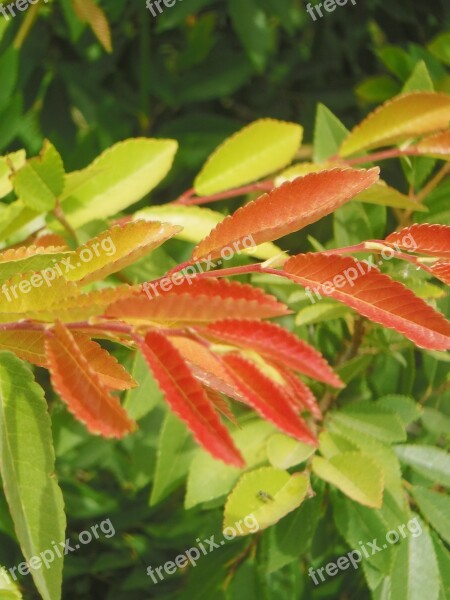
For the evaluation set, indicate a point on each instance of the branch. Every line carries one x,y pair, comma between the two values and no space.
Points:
188,198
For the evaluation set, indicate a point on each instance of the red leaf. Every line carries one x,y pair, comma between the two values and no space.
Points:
201,301
276,343
302,395
423,239
287,208
81,389
221,405
373,295
187,398
440,270
267,398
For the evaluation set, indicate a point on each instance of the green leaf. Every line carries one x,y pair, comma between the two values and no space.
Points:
17,160
373,420
36,262
329,133
406,408
357,475
209,479
141,400
318,313
28,470
420,79
40,182
252,28
435,508
267,494
117,178
443,558
15,216
430,462
396,60
173,458
440,47
357,523
293,535
331,444
9,64
377,89
261,148
436,421
415,573
197,223
284,452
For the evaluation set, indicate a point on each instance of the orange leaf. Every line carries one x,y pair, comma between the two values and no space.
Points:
277,344
199,301
187,399
81,388
405,116
205,366
427,239
112,374
28,345
286,209
373,295
221,405
437,145
268,398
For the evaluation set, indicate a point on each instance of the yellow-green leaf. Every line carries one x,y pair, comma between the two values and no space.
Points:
405,116
27,463
284,452
263,497
17,161
117,248
357,475
259,149
385,195
40,181
117,178
29,258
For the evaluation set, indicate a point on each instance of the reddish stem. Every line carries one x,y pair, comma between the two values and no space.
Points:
383,155
188,197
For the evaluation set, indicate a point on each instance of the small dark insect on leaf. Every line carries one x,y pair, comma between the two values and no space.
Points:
264,496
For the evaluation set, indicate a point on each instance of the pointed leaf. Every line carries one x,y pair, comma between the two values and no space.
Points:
283,452
111,373
187,399
433,240
405,116
302,396
90,13
357,475
287,208
277,344
198,301
385,195
435,508
329,133
259,149
27,463
372,294
117,178
117,248
267,398
81,388
40,181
